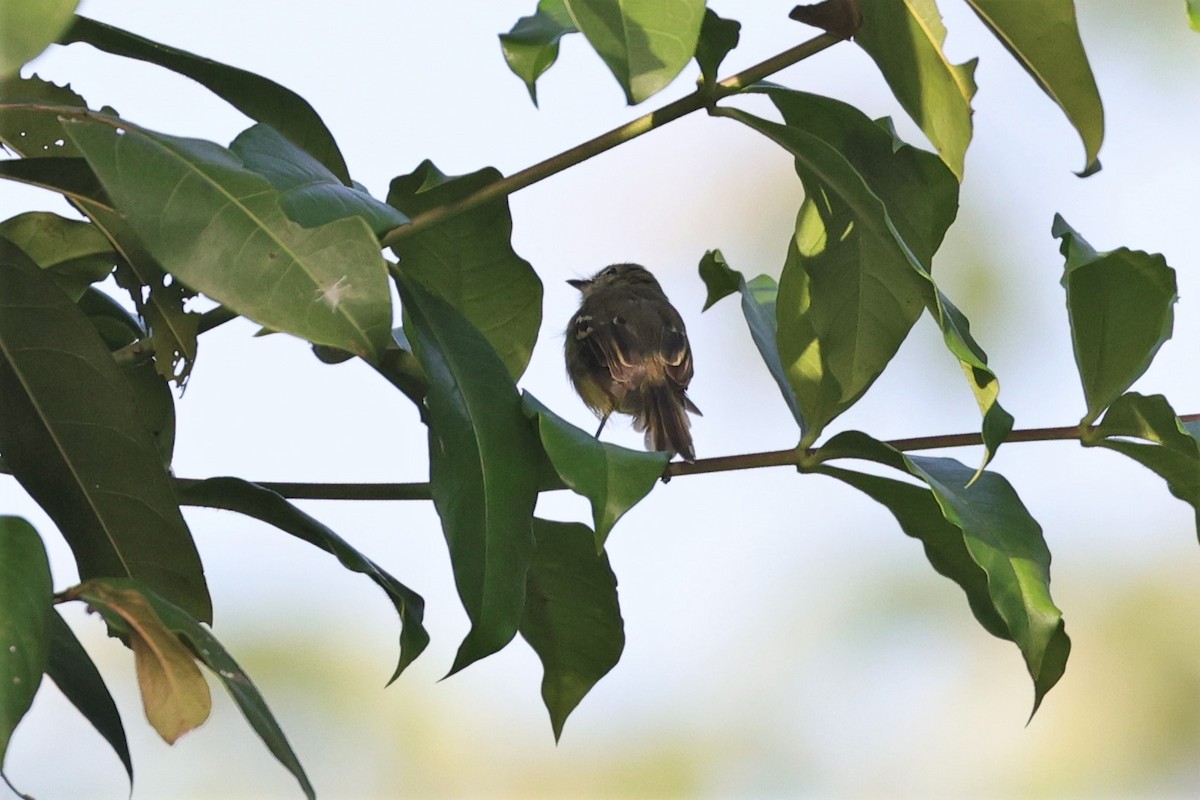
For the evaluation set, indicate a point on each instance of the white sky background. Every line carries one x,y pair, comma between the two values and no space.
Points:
784,638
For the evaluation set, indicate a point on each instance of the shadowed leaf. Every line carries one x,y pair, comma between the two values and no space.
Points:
718,37
25,595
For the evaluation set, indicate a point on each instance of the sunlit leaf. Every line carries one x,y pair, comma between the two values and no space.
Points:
1193,10
234,494
76,254
1044,38
220,229
644,43
613,479
483,459
718,37
27,28
572,619
905,38
469,261
25,595
1120,307
257,97
982,537
531,47
68,420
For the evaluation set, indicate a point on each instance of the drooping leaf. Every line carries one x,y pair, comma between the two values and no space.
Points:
1169,448
469,261
220,229
68,420
904,38
257,97
839,17
968,531
718,37
613,479
310,194
644,43
174,692
759,297
76,676
572,618
531,47
234,494
1120,307
74,253
483,466
1044,38
27,28
25,595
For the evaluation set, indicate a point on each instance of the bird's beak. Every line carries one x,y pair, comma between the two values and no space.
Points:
578,283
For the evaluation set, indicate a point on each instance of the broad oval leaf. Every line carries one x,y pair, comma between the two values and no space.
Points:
1044,38
484,465
257,97
1120,308
613,479
972,522
220,229
572,618
531,47
644,43
904,38
25,596
66,419
234,494
75,253
28,28
468,260
76,676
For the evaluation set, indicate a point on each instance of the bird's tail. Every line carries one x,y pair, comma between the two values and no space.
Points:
664,419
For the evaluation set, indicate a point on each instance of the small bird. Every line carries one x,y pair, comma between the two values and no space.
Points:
627,350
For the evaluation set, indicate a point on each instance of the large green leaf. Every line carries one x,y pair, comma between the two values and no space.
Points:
257,97
484,465
76,254
76,676
572,619
644,43
469,261
982,537
27,27
1169,448
310,194
613,479
220,229
759,298
25,595
234,494
905,39
1120,307
71,435
531,47
1044,37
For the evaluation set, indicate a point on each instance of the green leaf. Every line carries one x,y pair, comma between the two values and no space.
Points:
174,692
531,47
257,97
1045,40
1120,307
70,176
72,670
718,37
613,479
27,27
759,298
310,194
1170,448
483,467
842,18
25,596
1193,10
68,419
468,260
968,531
234,494
644,43
905,37
74,253
220,229
572,619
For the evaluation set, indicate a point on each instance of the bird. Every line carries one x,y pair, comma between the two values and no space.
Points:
627,350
